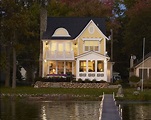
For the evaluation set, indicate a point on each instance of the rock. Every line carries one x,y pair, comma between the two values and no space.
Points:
120,92
136,93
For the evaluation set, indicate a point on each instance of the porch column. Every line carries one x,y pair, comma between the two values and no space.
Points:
47,67
96,66
105,70
72,67
86,66
56,67
77,69
43,68
64,67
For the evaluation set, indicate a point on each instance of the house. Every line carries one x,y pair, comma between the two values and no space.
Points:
142,67
78,46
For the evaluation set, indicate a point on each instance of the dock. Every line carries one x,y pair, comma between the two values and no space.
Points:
109,110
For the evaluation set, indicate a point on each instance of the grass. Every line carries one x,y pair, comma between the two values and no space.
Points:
144,95
75,91
91,92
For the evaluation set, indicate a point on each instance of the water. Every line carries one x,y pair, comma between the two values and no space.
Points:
63,110
67,110
136,111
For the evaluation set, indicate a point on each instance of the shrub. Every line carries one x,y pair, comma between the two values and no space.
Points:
147,83
118,81
134,79
87,80
80,80
94,81
102,81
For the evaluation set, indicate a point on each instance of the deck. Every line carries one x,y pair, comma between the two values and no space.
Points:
109,109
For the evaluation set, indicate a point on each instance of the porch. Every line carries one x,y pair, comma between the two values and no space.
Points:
92,70
57,67
59,55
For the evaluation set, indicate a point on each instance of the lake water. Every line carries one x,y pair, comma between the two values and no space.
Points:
67,110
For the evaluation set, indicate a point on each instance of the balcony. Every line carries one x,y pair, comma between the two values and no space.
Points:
59,55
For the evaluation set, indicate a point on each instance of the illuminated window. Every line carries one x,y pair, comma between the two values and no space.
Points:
67,47
91,45
100,66
60,47
82,66
53,46
52,68
91,65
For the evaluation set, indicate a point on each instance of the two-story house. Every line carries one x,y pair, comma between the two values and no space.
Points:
78,46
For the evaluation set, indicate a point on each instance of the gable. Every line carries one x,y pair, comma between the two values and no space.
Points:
147,63
91,30
92,55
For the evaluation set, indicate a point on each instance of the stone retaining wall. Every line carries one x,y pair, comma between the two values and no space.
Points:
40,84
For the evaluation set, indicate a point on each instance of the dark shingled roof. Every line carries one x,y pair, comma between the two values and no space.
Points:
141,60
74,25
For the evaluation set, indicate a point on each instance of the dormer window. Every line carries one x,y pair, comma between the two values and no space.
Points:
61,32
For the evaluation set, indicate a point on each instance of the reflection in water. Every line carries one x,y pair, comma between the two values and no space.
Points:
43,110
67,110
136,111
70,110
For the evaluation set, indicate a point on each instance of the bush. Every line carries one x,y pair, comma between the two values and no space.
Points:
134,79
87,80
102,81
147,83
80,80
94,81
118,81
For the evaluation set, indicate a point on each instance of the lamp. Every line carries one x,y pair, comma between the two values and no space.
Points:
46,42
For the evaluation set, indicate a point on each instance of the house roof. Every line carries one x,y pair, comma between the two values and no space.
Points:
74,25
141,60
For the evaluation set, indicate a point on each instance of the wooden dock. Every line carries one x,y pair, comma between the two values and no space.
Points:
109,110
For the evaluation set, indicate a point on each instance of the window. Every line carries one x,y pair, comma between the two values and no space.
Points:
67,47
82,66
60,47
52,68
68,67
149,73
91,65
91,45
144,73
60,67
100,66
53,46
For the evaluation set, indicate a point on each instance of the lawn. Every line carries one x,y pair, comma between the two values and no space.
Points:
75,91
91,92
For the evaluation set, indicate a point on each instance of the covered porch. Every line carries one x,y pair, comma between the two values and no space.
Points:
58,67
92,66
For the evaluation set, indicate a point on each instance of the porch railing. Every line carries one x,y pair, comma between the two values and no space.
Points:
59,55
96,75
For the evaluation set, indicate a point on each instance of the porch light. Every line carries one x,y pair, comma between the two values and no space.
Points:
45,60
46,42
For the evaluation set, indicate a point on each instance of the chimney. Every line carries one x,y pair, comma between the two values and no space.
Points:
43,21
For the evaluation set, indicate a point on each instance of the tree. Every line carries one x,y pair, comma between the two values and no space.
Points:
138,27
16,21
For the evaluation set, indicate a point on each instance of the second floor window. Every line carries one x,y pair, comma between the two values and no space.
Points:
60,46
91,46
